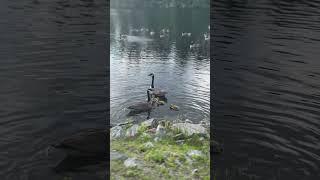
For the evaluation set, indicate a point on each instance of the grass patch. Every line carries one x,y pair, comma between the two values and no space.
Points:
166,159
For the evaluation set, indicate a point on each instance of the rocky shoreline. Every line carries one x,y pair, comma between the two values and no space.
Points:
160,149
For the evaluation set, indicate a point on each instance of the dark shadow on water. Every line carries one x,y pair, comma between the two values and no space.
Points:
134,113
79,164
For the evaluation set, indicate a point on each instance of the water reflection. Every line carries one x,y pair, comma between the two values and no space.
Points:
145,41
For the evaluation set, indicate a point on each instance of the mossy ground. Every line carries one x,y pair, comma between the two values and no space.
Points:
165,160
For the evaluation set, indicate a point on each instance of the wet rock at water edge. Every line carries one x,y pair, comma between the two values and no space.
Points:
190,129
188,121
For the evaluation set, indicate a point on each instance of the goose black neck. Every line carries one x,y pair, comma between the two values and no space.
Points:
152,84
148,96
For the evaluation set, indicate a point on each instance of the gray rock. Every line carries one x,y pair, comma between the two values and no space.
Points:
132,131
116,132
190,129
187,121
195,153
114,155
130,162
205,124
161,131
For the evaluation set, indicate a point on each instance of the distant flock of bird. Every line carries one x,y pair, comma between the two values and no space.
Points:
164,33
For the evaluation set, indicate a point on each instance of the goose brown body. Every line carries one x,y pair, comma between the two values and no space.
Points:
157,92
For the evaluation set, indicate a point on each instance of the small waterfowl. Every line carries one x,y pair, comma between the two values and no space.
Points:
158,101
174,107
135,30
143,30
162,35
194,45
143,106
165,30
152,33
157,92
185,34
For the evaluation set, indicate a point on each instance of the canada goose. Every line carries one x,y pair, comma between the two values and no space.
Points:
143,106
156,91
88,142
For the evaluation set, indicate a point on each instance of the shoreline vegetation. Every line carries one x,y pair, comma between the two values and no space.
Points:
160,4
160,149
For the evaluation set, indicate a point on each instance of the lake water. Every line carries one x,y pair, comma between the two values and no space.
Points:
267,99
53,82
183,71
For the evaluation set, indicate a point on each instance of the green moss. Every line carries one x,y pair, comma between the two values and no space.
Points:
156,156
